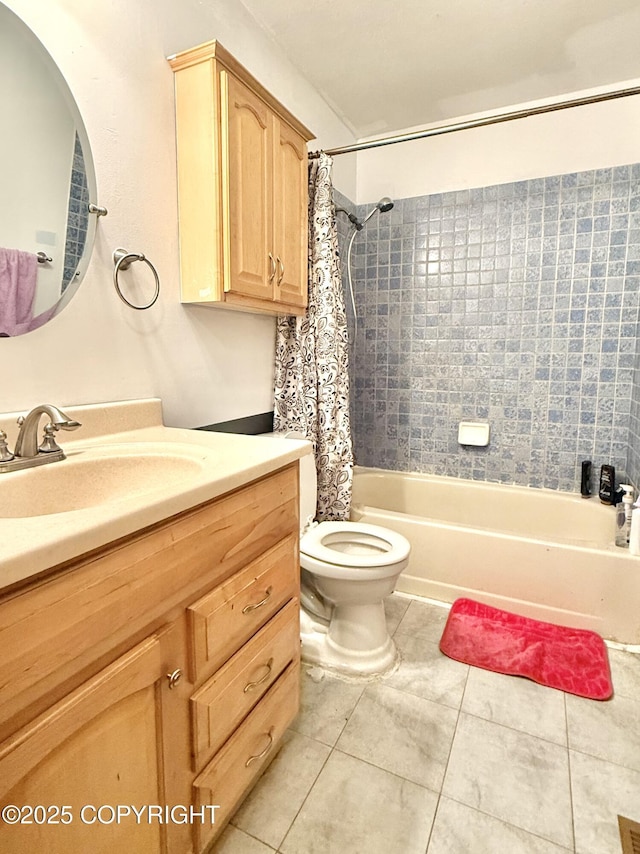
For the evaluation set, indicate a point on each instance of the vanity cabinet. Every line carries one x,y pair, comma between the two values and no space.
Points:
158,673
242,188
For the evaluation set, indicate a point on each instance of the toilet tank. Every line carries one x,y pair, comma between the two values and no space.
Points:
308,480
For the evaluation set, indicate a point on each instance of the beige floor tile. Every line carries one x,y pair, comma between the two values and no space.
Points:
424,620
513,776
427,673
395,608
625,673
355,808
403,734
601,791
234,841
325,705
458,829
609,730
517,703
273,804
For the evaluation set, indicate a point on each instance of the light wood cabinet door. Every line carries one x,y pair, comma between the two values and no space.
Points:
247,190
265,188
290,201
104,745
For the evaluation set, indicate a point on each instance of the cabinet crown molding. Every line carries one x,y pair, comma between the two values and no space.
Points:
214,51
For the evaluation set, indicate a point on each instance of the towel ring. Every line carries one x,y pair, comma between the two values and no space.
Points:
122,260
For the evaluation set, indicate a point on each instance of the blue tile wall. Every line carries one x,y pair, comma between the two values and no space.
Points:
77,216
516,304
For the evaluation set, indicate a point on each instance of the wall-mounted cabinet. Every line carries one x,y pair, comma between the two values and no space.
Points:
242,188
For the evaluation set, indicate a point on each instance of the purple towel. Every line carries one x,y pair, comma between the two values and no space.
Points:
18,277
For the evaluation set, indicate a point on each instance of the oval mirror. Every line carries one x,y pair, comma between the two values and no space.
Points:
47,181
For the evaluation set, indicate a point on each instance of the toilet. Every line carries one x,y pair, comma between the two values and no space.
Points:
347,569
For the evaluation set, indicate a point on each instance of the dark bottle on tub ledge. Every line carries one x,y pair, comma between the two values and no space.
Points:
607,484
585,480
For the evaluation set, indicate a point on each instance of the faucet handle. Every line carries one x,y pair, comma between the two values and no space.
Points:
49,445
5,453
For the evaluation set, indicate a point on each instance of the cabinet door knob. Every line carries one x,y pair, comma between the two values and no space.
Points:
281,265
263,752
249,608
174,678
273,268
251,685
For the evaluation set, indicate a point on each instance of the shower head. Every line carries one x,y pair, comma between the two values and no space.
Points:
385,204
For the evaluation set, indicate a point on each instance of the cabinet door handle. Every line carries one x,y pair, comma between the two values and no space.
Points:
281,265
272,274
251,685
174,678
248,608
263,752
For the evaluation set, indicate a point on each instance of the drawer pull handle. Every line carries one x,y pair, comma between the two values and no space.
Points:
251,685
264,752
272,274
174,678
249,608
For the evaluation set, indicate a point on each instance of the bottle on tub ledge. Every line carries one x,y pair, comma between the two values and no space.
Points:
634,533
624,510
607,489
585,479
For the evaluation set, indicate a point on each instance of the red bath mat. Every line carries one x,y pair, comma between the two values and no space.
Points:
572,660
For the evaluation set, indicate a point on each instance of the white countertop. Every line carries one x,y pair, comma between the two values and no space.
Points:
220,462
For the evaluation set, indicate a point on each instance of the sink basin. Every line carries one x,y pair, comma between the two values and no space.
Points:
95,476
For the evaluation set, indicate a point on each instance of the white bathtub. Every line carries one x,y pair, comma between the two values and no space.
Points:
540,553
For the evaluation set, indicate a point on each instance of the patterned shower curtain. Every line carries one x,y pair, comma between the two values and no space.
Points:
312,361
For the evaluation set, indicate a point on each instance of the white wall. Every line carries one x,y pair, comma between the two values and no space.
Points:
207,365
581,138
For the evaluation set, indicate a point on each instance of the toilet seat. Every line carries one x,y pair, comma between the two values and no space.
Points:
354,545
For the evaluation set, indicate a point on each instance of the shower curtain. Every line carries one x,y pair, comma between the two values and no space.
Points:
312,361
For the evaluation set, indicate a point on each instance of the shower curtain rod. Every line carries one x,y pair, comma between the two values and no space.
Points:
481,122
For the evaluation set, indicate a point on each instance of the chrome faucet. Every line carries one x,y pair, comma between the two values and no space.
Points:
27,452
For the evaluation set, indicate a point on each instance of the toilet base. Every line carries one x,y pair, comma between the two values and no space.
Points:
318,647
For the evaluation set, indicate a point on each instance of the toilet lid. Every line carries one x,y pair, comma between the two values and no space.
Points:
354,544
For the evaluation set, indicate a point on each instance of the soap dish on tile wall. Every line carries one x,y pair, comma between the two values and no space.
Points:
473,433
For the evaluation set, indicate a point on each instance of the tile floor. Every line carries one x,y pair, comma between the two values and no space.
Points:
442,758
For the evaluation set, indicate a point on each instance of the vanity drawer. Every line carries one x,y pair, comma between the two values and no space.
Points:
221,704
231,613
238,764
